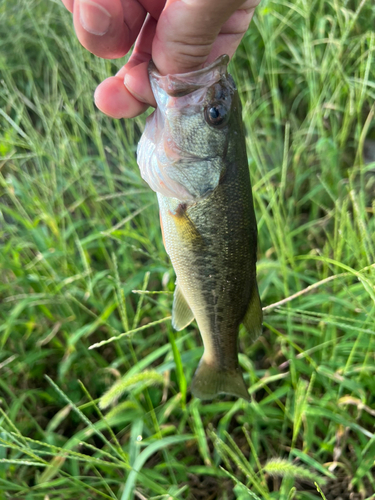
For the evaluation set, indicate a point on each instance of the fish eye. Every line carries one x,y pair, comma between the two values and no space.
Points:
216,114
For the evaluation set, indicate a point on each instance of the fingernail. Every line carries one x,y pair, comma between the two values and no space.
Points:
127,80
94,17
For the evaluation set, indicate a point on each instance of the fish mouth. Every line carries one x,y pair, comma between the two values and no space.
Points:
184,83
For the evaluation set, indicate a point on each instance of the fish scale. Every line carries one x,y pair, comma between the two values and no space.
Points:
210,234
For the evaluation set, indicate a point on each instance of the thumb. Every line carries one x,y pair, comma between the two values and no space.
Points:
187,32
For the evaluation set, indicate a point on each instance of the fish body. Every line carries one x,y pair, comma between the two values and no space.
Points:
193,155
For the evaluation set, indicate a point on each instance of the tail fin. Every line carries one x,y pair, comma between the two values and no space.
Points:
209,381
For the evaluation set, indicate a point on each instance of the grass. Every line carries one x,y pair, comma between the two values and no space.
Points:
79,233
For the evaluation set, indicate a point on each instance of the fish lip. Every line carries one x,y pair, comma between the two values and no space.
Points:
181,84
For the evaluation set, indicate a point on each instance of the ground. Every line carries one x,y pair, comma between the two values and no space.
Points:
82,261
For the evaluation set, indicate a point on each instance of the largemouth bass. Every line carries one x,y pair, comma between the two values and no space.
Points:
193,154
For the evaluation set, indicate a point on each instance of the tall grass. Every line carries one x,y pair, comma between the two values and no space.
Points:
82,263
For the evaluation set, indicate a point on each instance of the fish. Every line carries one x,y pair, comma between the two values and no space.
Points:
193,155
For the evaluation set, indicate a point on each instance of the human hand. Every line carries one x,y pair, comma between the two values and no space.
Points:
179,35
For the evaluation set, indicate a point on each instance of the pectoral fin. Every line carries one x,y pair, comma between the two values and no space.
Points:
184,225
182,315
254,316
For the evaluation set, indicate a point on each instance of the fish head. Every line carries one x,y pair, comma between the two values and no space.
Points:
182,151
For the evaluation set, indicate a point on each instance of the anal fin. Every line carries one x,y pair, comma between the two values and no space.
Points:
254,316
182,315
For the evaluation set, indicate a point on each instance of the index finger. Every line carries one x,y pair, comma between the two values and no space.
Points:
103,29
68,4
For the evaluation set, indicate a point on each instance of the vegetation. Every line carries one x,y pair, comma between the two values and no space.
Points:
82,263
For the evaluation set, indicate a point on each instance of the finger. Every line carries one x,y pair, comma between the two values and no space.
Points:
153,7
103,29
135,71
187,31
231,34
68,4
120,100
115,100
137,82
